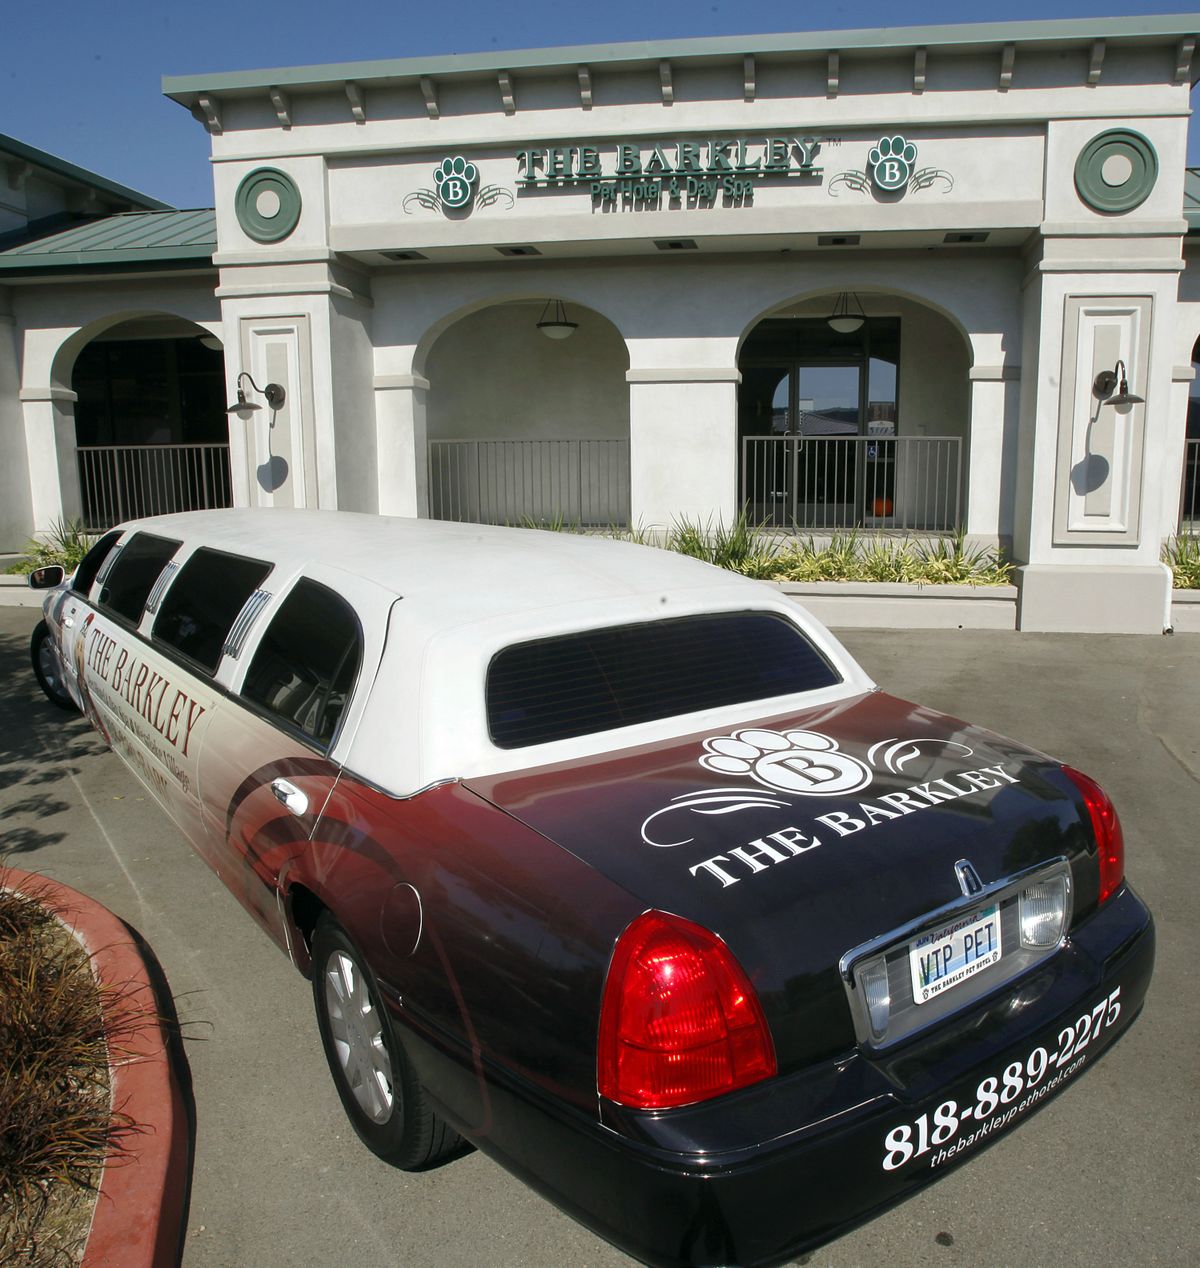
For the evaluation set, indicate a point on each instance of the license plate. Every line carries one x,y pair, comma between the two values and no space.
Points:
950,955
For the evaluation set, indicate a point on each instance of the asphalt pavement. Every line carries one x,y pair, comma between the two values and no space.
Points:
1109,1172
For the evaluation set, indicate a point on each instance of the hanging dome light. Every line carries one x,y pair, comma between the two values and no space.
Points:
847,315
556,326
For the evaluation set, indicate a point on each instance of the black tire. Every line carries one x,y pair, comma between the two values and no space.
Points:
45,668
386,1104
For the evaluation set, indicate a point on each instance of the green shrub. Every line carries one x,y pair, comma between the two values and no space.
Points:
66,544
1182,556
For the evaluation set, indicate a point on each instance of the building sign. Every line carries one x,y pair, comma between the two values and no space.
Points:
644,172
891,169
454,181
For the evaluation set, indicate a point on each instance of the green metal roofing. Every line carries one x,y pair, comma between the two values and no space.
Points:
133,238
1191,198
11,147
186,88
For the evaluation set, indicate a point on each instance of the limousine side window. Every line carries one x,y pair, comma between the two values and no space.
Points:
92,562
305,666
132,577
204,601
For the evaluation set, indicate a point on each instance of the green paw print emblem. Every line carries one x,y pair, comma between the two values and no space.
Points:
455,180
891,162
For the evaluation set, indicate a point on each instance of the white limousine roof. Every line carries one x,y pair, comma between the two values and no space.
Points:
465,592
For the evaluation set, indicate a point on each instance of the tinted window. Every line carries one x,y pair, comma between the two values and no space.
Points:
133,576
577,684
305,666
85,574
203,602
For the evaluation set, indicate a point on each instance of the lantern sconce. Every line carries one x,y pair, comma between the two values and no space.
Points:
1107,380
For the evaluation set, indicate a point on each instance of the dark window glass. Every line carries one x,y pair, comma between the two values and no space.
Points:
203,602
577,684
85,574
133,576
305,666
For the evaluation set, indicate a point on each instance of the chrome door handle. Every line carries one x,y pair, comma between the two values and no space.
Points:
289,797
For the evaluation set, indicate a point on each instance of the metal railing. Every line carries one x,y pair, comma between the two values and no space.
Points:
122,482
832,482
583,483
1189,504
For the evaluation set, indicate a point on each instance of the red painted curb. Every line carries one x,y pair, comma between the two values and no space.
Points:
140,1205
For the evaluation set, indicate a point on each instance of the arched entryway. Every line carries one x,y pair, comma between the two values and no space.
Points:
151,431
852,413
527,418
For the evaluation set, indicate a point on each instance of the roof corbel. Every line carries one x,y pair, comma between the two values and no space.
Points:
1183,60
358,101
1007,60
281,106
429,92
919,58
749,77
1097,63
666,83
208,111
832,74
507,97
585,87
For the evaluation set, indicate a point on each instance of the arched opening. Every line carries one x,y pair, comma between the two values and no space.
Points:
852,413
151,431
527,418
1189,504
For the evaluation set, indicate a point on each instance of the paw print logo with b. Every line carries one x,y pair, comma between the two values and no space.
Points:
891,162
455,180
792,761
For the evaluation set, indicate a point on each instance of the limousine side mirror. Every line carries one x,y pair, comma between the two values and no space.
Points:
48,577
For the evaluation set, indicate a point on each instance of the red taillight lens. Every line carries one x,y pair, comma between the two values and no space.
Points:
680,1021
1110,841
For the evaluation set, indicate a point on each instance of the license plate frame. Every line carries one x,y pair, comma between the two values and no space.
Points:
946,957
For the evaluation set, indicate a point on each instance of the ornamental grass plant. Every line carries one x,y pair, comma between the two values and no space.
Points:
1182,556
57,1125
66,543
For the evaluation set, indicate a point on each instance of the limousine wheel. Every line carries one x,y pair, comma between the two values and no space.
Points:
45,667
386,1104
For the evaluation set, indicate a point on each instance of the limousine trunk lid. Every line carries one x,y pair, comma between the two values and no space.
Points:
799,838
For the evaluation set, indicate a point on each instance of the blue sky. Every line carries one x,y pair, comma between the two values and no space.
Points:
82,79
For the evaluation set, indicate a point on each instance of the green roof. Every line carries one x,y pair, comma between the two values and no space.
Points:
186,88
18,150
135,238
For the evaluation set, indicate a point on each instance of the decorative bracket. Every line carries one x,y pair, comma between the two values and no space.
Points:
666,84
1183,60
18,173
832,73
210,113
358,102
1007,60
507,97
281,105
585,87
748,77
429,92
919,71
1097,63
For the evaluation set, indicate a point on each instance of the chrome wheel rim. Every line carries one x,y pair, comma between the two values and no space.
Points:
357,1035
49,666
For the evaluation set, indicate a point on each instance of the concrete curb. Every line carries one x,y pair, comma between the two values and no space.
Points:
138,1221
901,606
15,593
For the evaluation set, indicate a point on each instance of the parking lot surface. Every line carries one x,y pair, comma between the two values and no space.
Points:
1109,1172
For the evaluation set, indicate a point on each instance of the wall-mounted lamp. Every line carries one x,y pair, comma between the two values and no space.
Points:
273,392
1106,380
556,326
847,315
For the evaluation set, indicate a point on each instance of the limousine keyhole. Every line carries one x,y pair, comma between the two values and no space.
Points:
289,796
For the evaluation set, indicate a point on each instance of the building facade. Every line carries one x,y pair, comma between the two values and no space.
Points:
920,280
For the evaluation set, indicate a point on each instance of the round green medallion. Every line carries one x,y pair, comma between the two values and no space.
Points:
1116,170
267,203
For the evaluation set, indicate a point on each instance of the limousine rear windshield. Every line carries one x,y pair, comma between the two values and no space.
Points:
579,684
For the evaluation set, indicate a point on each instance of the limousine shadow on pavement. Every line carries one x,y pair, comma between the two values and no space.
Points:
1104,1173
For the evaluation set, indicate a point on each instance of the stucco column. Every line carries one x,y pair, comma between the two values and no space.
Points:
49,414
16,516
683,459
401,444
991,451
